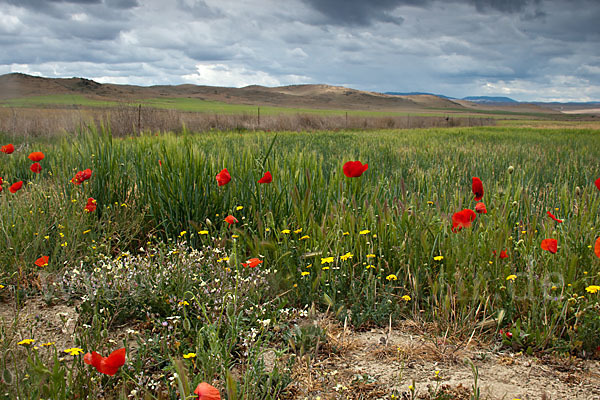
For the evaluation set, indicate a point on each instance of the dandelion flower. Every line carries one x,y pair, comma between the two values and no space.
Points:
326,260
406,297
511,278
391,277
26,342
364,232
346,256
189,355
438,258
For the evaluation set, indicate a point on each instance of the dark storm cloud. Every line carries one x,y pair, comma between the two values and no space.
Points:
359,12
505,6
362,13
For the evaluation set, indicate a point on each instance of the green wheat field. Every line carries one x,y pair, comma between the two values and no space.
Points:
155,268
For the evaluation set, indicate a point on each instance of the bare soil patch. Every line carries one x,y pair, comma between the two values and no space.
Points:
377,363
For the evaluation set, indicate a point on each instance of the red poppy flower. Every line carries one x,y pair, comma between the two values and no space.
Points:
462,219
477,187
106,365
15,187
159,163
36,156
36,167
508,334
503,254
223,177
252,263
8,149
553,217
207,392
81,176
597,183
550,244
230,219
42,261
597,248
354,169
91,205
480,208
267,178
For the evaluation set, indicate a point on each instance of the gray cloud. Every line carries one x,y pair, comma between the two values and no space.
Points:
529,49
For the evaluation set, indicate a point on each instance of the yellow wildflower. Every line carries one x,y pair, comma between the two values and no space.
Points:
202,232
406,297
189,355
346,256
511,278
285,231
26,342
391,277
238,208
87,231
235,236
325,268
47,344
298,230
304,273
438,258
345,233
184,303
370,255
182,233
370,266
327,260
592,289
74,351
304,237
364,232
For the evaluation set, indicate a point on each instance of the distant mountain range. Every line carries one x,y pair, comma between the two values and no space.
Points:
494,99
489,99
474,99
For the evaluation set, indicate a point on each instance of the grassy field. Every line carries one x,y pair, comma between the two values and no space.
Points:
156,269
217,107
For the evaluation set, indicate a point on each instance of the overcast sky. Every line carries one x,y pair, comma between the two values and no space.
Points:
546,50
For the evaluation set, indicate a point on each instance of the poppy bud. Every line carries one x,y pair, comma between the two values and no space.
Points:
577,191
511,169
